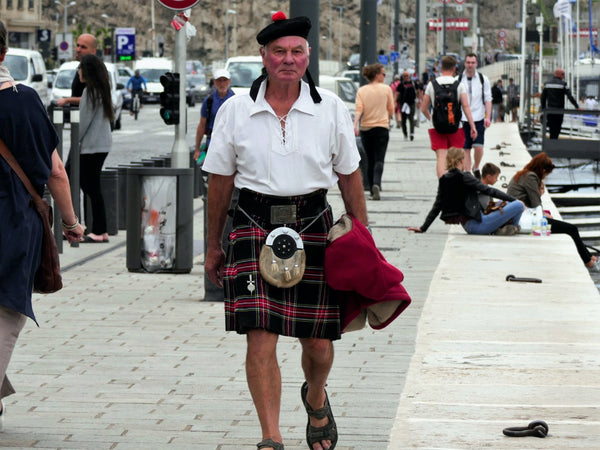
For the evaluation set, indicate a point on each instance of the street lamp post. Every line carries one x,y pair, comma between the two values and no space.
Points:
341,9
234,13
65,6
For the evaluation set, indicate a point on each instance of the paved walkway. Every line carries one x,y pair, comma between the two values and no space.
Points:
129,360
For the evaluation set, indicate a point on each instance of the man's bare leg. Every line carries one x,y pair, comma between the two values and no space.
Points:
317,359
264,380
467,160
477,156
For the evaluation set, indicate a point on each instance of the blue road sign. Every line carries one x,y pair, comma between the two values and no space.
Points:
383,59
125,42
394,56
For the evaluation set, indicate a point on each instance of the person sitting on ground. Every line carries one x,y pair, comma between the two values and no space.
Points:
457,199
527,185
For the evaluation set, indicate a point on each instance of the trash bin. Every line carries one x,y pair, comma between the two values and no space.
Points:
159,219
109,186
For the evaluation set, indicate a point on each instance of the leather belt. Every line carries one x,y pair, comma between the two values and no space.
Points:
282,210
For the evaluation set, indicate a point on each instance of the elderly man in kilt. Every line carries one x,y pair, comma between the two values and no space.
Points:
283,145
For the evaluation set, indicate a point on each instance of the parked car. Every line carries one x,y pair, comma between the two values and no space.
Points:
152,69
354,75
193,67
27,67
343,87
64,80
198,88
353,62
125,73
244,70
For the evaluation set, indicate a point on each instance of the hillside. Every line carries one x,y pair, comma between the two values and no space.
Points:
252,15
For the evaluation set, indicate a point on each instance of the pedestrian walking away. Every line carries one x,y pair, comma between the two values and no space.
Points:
31,138
447,95
512,99
210,106
374,109
479,93
284,144
497,99
553,96
406,97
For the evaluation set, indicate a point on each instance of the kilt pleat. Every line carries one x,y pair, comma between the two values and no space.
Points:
306,310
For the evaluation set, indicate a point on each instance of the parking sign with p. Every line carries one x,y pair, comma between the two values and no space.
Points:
125,43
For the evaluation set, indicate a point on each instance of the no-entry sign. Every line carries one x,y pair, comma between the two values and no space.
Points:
178,5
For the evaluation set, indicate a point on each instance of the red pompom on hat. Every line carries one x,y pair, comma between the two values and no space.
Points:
278,16
282,26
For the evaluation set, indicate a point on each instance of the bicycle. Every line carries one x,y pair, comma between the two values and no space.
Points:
136,103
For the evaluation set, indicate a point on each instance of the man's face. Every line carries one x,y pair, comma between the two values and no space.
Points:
222,85
84,47
490,179
286,59
470,64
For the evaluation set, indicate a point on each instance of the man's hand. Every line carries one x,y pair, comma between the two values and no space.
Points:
473,132
487,122
214,265
62,102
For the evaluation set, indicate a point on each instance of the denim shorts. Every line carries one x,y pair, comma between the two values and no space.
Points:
480,132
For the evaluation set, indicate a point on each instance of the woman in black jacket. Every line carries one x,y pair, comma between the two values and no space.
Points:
458,200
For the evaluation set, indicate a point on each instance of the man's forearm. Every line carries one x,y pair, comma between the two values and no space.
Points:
220,189
353,195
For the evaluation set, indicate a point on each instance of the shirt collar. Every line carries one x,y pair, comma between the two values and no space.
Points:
303,103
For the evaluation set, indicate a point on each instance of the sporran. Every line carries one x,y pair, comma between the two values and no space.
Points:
282,258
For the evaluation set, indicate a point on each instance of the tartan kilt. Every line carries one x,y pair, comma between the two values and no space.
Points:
306,310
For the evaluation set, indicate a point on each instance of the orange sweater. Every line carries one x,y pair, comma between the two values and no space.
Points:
374,105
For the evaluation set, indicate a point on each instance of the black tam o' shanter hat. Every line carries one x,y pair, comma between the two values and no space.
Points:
279,27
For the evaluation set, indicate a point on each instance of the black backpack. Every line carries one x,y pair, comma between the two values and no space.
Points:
446,107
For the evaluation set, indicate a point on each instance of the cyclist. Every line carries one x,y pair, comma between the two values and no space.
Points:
136,82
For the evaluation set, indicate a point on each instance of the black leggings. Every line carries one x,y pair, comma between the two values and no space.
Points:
560,227
375,142
91,166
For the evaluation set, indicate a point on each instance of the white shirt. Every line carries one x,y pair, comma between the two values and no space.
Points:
444,79
474,91
247,141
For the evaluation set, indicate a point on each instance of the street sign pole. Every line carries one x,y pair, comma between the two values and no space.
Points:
180,157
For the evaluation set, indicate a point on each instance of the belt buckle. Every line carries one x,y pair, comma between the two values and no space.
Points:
282,214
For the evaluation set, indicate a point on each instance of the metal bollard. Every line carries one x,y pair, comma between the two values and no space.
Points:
75,165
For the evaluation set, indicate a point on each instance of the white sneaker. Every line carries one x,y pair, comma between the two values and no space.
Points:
2,416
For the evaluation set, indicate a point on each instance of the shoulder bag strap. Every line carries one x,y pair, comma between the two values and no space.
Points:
12,162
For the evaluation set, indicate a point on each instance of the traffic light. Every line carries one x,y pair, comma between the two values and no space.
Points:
169,99
54,53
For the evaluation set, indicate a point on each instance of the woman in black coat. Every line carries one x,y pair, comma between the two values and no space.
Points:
458,201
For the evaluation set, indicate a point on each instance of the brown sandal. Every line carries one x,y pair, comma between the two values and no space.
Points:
270,443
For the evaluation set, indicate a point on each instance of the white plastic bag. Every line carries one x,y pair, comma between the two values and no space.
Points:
526,221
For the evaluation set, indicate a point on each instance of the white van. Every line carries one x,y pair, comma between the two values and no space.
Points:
64,79
151,69
244,70
27,67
